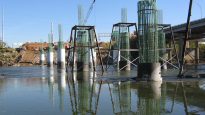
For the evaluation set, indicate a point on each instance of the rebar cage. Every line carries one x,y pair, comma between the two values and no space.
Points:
147,31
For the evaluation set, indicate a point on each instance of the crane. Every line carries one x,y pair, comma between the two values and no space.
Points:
89,12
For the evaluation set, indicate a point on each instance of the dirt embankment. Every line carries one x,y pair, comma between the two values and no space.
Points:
8,56
28,54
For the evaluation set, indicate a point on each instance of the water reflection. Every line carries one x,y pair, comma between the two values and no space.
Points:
61,87
84,93
120,94
51,84
188,94
149,98
128,99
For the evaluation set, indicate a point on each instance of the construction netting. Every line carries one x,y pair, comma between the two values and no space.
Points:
121,41
148,32
125,45
82,46
162,43
161,35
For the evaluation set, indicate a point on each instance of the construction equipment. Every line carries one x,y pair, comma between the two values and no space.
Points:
89,12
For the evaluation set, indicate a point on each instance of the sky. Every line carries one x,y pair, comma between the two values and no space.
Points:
30,20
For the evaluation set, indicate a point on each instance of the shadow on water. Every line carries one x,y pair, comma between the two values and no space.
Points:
60,92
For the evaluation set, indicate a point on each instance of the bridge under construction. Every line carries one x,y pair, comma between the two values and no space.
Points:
157,45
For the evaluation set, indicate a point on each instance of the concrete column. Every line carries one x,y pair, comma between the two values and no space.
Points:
150,71
149,67
50,58
42,57
61,49
196,52
50,54
61,58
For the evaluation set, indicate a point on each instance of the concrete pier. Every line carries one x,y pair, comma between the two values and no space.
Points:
150,71
50,58
42,56
149,67
61,49
50,54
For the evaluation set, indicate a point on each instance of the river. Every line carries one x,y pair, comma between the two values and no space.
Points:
50,91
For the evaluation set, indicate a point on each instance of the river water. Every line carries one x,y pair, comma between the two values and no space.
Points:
50,91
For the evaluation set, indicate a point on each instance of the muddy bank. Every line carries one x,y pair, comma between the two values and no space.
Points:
8,56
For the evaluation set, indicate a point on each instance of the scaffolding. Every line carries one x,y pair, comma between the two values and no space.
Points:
172,59
119,47
167,55
83,42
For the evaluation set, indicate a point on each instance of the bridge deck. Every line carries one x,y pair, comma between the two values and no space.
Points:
197,30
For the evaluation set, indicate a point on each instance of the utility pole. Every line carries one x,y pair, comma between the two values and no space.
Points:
180,75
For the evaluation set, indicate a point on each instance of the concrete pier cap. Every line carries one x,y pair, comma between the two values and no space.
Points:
150,72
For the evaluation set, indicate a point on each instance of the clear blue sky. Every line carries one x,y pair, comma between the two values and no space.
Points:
29,20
